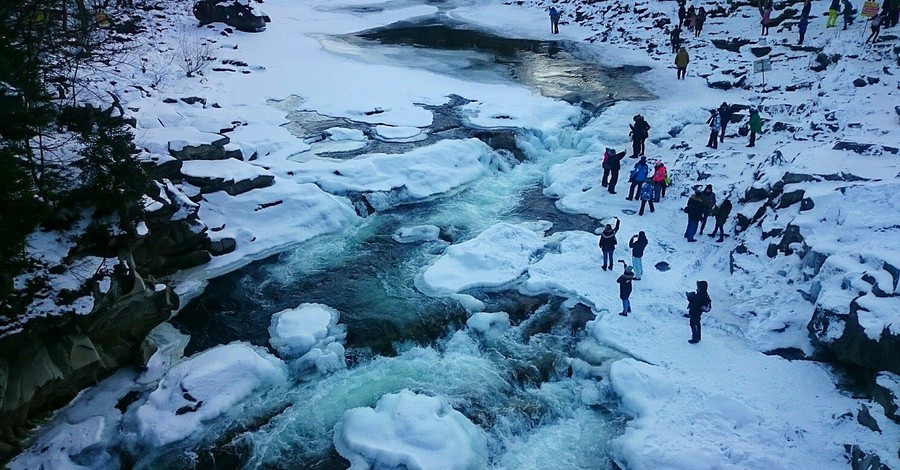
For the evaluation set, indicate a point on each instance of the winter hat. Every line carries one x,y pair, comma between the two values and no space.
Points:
658,163
643,160
708,188
629,270
702,286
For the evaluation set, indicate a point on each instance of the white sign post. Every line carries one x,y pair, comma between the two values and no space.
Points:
762,66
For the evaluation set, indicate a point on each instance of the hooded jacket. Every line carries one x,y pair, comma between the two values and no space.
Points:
723,211
699,301
682,59
608,238
638,246
625,284
695,207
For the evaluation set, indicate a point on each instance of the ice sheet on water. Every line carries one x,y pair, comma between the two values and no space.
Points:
418,233
497,256
407,430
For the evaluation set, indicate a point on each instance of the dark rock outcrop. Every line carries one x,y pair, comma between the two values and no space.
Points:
231,12
49,362
843,336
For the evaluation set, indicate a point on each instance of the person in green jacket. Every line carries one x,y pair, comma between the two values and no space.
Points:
755,126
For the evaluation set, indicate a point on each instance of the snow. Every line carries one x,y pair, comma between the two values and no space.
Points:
203,388
418,174
228,169
418,233
720,404
497,256
310,338
878,315
399,133
412,431
489,323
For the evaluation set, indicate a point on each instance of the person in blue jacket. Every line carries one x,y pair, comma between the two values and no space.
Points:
637,177
647,194
554,20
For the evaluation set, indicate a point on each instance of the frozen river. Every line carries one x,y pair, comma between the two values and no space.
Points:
530,388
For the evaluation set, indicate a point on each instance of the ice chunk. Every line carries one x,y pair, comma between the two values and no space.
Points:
489,323
410,431
419,233
203,388
497,256
310,337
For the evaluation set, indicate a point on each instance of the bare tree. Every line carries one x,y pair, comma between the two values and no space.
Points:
194,53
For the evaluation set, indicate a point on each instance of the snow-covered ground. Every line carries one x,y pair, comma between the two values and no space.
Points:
723,403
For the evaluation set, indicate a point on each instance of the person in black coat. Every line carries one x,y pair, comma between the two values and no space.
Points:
675,37
625,289
724,118
695,211
608,244
612,163
698,304
637,244
709,204
721,214
640,130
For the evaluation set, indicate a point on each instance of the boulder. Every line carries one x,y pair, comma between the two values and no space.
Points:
861,148
846,339
234,13
859,83
232,176
46,364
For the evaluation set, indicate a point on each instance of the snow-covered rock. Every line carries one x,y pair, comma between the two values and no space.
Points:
204,388
310,338
419,233
489,323
406,430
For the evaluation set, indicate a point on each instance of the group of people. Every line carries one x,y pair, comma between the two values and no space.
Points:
700,206
718,121
699,301
690,18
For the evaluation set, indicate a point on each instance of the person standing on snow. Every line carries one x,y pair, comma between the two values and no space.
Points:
698,304
607,244
833,13
848,12
612,162
637,244
694,211
554,20
646,197
725,115
682,14
766,18
640,130
807,7
691,18
755,126
675,39
876,29
715,125
701,18
625,289
709,204
637,177
659,180
681,62
721,214
802,25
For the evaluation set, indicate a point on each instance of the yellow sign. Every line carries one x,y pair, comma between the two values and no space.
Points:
870,9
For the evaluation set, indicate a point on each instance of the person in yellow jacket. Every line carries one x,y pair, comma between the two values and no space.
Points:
681,62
